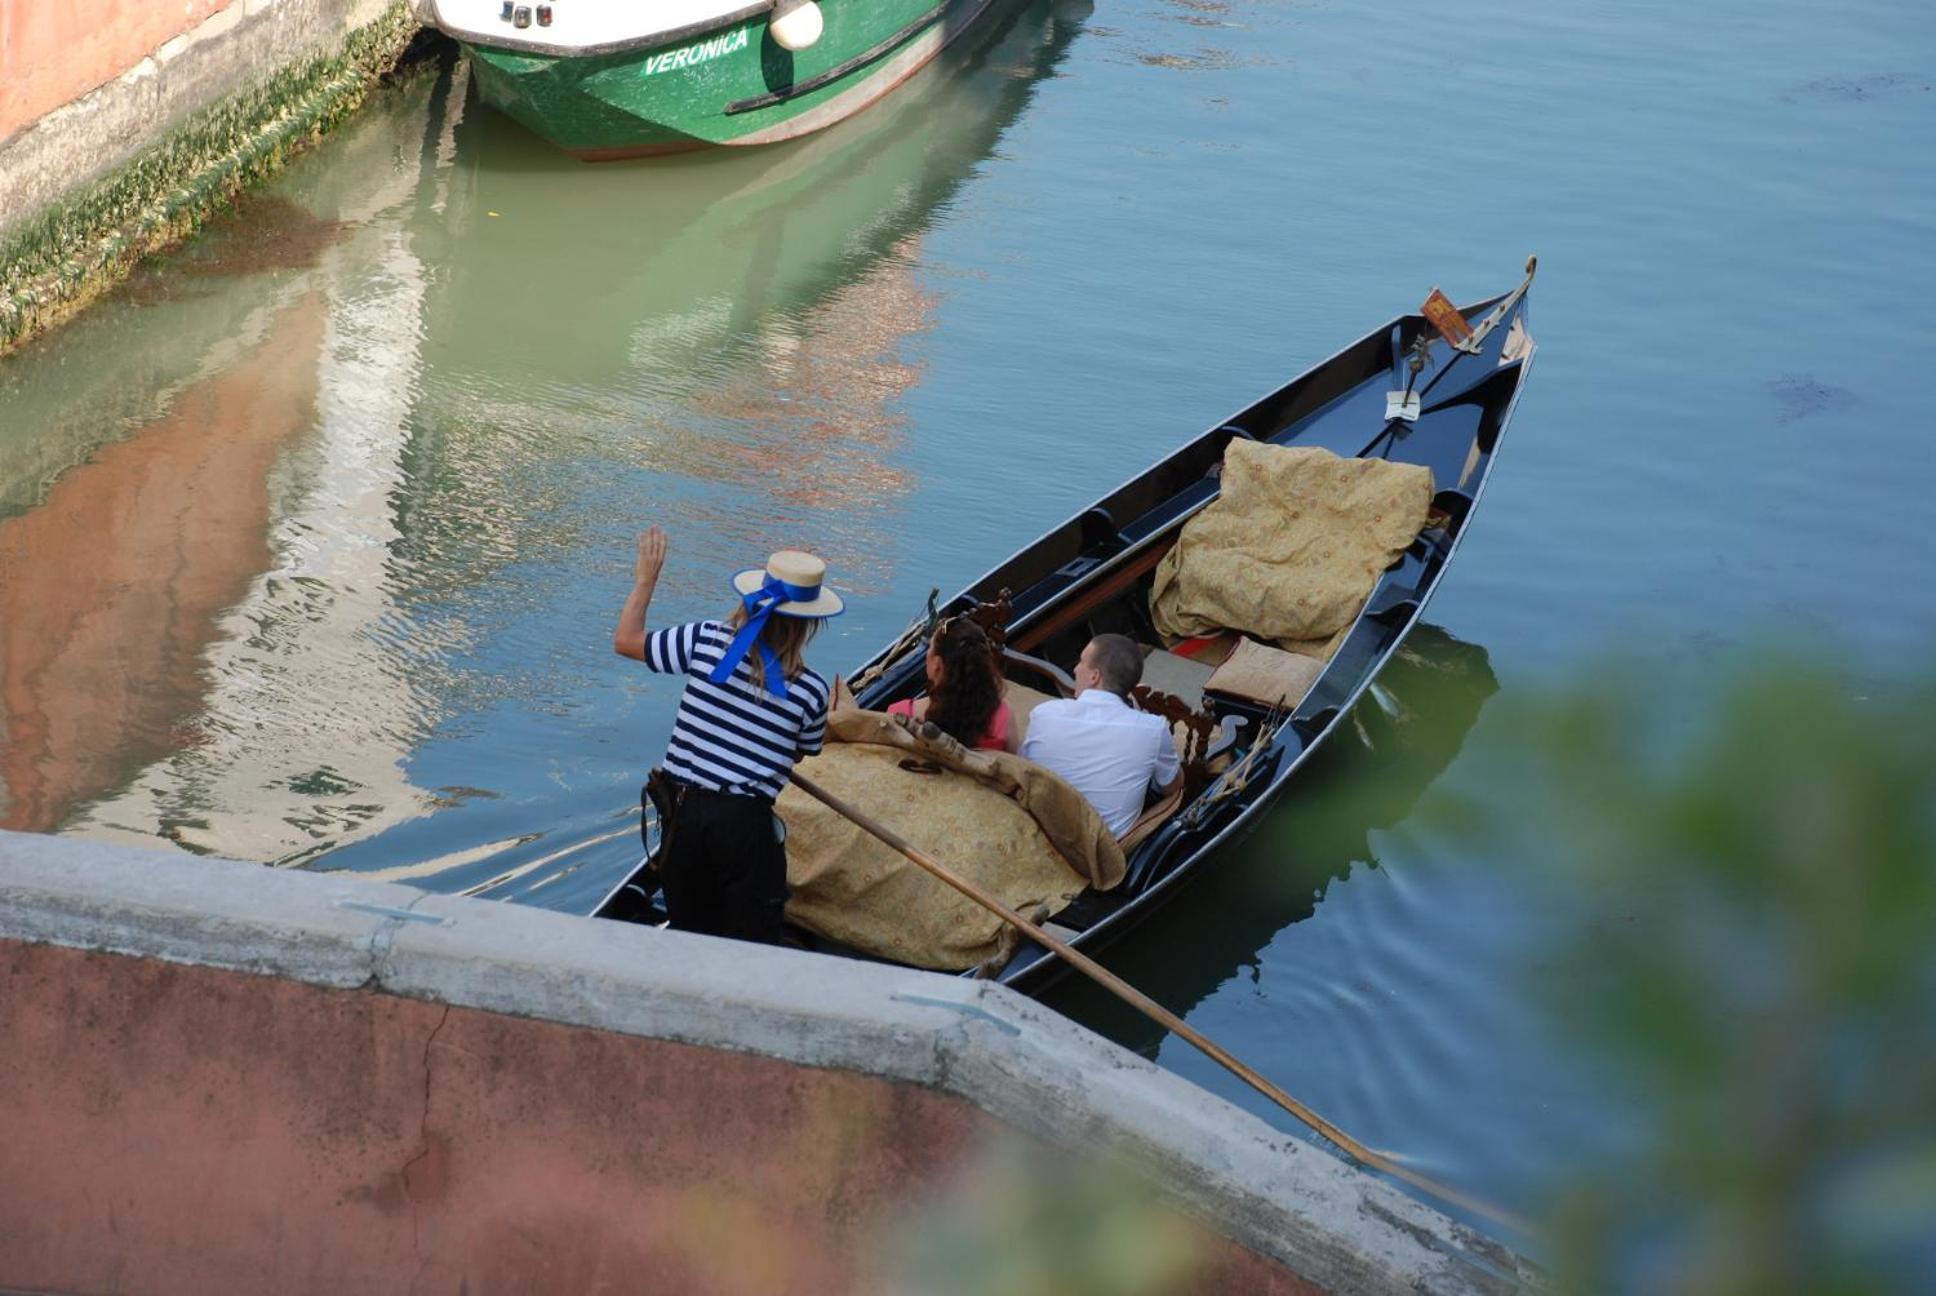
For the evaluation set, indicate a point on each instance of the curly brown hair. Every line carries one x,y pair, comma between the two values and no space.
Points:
970,691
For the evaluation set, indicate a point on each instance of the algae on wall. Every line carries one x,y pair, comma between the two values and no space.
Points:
65,257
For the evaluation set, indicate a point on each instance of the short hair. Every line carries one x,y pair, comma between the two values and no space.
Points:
1118,660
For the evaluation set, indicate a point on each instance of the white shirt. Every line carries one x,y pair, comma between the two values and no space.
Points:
1107,750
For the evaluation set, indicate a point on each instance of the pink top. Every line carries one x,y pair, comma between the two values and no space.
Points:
996,739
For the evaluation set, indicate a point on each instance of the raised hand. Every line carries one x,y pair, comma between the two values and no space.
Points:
652,554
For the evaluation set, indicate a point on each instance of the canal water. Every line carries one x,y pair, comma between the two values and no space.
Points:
312,538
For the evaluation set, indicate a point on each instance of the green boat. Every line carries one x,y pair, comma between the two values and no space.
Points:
605,81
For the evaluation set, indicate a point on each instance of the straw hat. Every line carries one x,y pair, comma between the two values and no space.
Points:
801,570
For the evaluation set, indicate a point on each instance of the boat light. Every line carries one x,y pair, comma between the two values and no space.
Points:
544,15
521,17
795,24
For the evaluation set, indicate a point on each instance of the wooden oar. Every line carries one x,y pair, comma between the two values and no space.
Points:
1155,1011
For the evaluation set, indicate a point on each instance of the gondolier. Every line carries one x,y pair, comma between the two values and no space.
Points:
751,708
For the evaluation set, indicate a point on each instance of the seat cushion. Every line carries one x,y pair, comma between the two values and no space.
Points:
1260,673
1022,701
1291,547
1180,677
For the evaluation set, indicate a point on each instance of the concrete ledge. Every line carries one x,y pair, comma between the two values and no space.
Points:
1005,1055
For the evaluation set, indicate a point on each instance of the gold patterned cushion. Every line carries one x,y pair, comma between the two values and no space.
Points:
1290,548
1265,674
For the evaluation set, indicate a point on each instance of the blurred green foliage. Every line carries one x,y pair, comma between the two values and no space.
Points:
1733,877
1752,866
1029,1221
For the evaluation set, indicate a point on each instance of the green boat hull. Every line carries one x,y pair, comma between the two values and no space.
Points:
731,84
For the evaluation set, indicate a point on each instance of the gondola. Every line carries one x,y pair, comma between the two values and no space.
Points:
1437,391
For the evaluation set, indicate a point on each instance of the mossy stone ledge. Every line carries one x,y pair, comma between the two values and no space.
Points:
66,256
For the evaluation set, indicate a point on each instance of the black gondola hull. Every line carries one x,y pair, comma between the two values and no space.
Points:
1340,404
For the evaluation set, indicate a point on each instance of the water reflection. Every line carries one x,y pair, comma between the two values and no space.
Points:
236,692
670,274
764,306
318,484
734,320
757,402
309,709
812,425
111,589
1368,777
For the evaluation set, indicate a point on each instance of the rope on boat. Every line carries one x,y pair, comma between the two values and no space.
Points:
918,631
1235,779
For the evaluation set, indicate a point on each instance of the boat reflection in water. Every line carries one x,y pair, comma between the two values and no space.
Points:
1405,732
270,491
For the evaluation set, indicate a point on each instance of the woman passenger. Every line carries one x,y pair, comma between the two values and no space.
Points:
964,689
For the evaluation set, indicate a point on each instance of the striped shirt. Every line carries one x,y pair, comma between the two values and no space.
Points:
733,737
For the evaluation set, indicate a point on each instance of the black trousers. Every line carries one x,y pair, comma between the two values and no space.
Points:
725,867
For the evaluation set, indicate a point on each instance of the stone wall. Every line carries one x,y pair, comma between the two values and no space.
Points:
225,1077
85,85
52,54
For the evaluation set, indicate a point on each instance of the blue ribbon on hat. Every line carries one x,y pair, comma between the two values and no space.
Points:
759,606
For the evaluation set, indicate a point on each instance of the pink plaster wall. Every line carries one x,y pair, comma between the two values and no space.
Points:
172,1129
55,51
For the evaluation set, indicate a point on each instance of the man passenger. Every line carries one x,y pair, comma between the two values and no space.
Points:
1102,746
